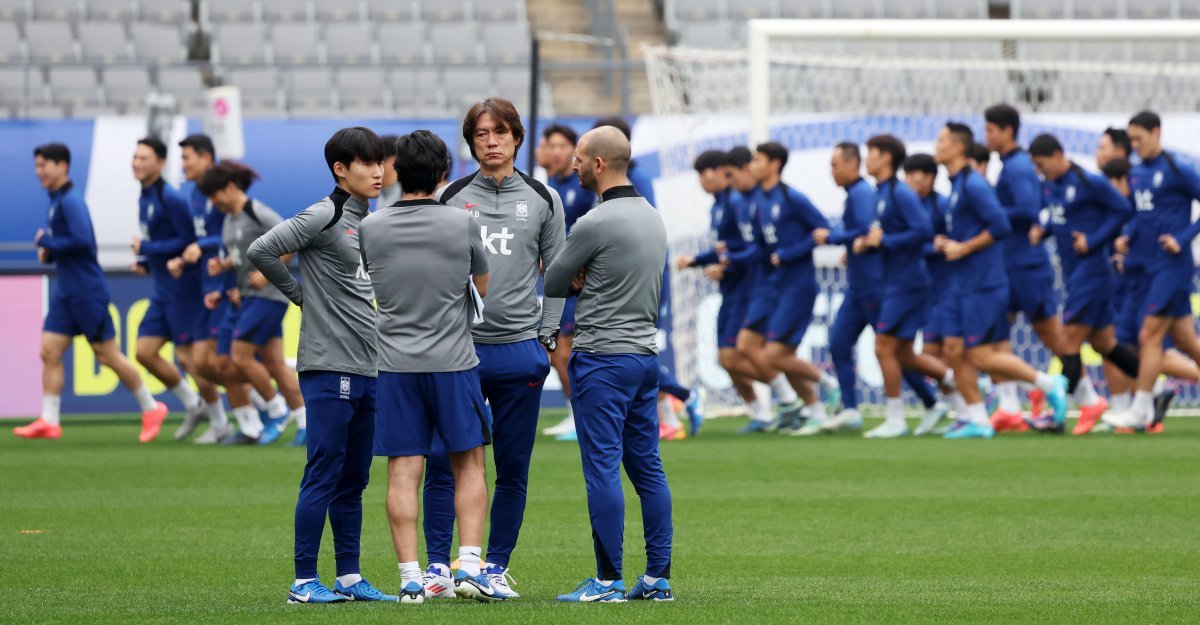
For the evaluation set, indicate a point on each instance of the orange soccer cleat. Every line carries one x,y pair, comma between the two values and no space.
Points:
39,429
1089,416
1008,422
1037,402
152,421
668,433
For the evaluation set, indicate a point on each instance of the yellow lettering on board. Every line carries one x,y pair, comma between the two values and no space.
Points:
291,332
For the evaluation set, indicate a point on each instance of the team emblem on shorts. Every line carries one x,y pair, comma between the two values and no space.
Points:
344,387
522,210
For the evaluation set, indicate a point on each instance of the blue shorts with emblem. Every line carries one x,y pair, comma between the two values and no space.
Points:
172,319
412,408
73,316
903,314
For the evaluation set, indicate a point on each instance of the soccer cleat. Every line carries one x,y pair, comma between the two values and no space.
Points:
237,438
788,415
810,427
668,433
951,427
1047,425
888,429
272,430
1127,420
477,588
1162,403
152,421
1009,422
412,593
313,592
1057,400
364,591
570,436
437,584
301,439
1089,416
1037,402
562,427
659,591
499,578
695,410
592,591
39,429
970,429
848,419
754,427
833,397
991,399
1155,428
931,417
215,434
190,421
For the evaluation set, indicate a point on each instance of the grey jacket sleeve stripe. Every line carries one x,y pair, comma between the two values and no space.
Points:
290,236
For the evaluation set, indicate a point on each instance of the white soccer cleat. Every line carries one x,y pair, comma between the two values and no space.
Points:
1126,419
190,421
436,584
215,434
848,419
889,429
562,427
810,427
930,418
499,578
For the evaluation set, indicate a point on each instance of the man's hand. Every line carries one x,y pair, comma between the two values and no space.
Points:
1121,245
212,300
1169,244
874,237
136,245
192,253
175,267
1118,261
939,243
577,282
235,297
215,266
721,248
43,256
257,280
138,269
716,273
954,250
1035,235
683,262
845,259
37,236
859,246
820,236
1080,244
775,260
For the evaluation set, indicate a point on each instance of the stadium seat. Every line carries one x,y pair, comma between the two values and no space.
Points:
346,11
1039,9
362,91
12,88
284,10
240,44
294,44
109,10
167,11
707,35
50,42
908,10
961,9
310,91
1155,9
59,10
401,42
186,84
454,43
103,42
700,10
415,90
126,87
512,81
751,9
13,10
443,10
466,85
348,43
259,87
1189,10
498,10
802,9
855,9
1096,9
10,43
74,86
506,42
228,11
157,43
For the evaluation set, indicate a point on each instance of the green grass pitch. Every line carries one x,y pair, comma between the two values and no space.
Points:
95,528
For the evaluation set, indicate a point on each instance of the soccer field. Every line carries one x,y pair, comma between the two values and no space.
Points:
1023,529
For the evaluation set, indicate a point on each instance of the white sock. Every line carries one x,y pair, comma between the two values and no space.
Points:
783,390
1121,401
828,382
570,411
304,581
1143,403
816,411
1044,382
650,581
958,405
1160,385
300,417
185,394
145,399
666,413
977,413
442,568
762,410
1085,393
469,560
257,399
1010,401
216,413
277,407
248,421
606,582
350,579
948,379
894,411
51,405
409,572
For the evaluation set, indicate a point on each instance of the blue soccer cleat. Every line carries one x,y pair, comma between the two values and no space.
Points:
412,593
364,591
592,591
238,438
972,430
272,430
313,592
1057,398
301,439
695,410
754,427
659,591
570,436
477,587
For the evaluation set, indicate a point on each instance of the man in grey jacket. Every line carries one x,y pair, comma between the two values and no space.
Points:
522,227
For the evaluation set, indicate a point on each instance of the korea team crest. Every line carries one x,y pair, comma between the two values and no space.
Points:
1070,194
1158,179
344,387
522,210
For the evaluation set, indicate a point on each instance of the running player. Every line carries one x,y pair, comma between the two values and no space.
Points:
80,301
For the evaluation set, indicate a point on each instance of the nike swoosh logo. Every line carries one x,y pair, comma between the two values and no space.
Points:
586,597
301,598
535,383
470,205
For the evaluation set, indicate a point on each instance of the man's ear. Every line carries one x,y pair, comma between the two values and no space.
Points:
340,170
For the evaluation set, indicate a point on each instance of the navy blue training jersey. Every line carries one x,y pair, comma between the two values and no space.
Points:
787,218
973,209
577,201
1019,190
907,229
864,272
1081,201
1163,190
71,242
167,228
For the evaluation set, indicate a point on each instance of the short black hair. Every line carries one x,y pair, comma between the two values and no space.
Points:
616,122
921,162
740,156
1045,144
559,129
962,134
774,151
57,152
711,159
1146,119
890,145
202,144
979,153
350,144
224,173
1004,116
421,160
849,151
156,144
1120,138
389,144
1116,168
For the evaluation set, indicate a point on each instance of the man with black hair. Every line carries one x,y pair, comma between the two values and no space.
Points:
521,222
1086,215
391,191
1160,240
337,361
80,301
1114,145
976,332
978,157
559,151
167,230
423,258
1030,275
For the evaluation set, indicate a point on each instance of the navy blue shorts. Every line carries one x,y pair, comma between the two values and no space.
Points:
729,319
902,314
979,317
1091,307
566,327
1031,293
790,317
935,317
73,316
259,321
1168,294
762,302
172,320
225,330
412,408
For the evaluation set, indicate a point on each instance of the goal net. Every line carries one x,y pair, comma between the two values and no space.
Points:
810,84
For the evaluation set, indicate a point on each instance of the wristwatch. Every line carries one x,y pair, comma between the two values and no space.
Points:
550,342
